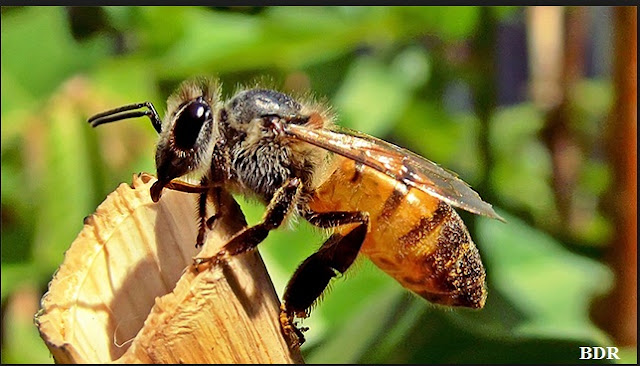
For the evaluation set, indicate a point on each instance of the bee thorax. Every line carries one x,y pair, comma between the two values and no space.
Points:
261,169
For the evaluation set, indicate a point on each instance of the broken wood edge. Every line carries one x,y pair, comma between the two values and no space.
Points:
214,314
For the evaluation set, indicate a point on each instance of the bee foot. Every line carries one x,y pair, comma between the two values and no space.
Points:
145,177
199,262
293,335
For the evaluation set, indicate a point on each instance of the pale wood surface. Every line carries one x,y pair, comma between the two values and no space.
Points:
128,291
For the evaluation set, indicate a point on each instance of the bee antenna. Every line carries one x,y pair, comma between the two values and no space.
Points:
117,115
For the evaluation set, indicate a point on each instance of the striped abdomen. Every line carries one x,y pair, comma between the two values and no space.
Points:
416,238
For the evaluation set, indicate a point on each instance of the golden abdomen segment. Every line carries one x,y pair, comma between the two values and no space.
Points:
416,238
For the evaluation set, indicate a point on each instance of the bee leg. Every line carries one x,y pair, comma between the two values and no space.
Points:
158,186
203,190
202,214
187,187
224,204
311,278
281,204
293,334
335,218
215,192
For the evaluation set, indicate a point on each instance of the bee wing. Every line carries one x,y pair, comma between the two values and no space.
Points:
398,163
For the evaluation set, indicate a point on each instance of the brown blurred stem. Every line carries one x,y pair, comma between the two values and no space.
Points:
557,133
484,89
618,312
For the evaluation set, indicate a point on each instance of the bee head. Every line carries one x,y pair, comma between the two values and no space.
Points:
187,138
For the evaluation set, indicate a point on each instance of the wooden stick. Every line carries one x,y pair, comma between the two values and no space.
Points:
618,312
128,292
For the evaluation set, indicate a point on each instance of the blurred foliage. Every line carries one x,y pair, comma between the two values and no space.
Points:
387,71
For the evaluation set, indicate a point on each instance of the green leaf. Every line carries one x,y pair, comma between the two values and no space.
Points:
628,355
24,344
371,99
594,98
281,37
17,207
522,172
65,196
210,36
127,80
505,13
448,140
17,102
450,23
38,53
17,275
551,286
400,320
350,341
412,66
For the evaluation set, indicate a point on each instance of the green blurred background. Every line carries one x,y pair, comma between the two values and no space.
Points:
515,100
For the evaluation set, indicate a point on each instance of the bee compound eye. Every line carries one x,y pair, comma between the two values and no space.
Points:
189,123
197,111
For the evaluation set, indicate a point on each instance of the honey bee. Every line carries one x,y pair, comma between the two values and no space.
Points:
376,198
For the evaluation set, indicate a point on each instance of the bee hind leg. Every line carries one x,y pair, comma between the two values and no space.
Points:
311,278
293,334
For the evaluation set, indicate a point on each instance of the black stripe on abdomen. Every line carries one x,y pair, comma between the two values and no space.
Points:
426,225
394,200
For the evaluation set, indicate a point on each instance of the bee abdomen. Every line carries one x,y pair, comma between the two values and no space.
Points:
457,267
414,237
437,260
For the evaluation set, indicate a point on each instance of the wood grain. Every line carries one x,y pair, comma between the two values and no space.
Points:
127,291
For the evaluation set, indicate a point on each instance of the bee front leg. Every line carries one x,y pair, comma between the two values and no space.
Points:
224,205
204,189
311,278
158,186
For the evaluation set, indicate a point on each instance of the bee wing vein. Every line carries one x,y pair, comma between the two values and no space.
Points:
398,163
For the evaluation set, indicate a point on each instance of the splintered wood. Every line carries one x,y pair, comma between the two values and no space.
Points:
128,291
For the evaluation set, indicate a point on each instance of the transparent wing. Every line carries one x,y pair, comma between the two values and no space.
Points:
398,163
